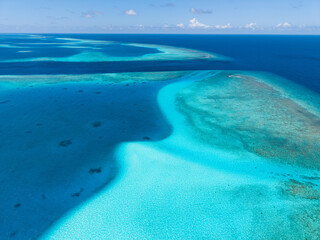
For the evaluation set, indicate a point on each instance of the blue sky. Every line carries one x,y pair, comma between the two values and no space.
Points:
175,16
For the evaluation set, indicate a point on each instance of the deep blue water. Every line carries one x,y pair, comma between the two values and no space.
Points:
118,50
11,53
296,58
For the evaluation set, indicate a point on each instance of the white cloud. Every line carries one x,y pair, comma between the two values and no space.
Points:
251,26
283,25
194,23
130,12
91,14
180,25
200,11
223,26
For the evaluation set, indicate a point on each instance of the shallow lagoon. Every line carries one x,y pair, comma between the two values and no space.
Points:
57,143
188,189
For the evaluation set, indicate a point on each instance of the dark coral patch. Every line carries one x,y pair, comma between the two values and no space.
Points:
17,205
13,234
95,170
65,143
77,194
305,190
96,124
4,102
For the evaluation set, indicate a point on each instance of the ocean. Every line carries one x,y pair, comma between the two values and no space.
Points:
145,136
293,57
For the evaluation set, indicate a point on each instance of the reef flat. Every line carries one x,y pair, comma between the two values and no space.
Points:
236,110
14,81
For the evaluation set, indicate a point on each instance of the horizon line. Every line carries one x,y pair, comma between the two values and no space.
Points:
139,33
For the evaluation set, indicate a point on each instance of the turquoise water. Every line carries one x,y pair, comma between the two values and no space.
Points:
215,154
187,190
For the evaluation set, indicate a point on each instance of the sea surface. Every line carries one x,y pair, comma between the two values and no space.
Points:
159,136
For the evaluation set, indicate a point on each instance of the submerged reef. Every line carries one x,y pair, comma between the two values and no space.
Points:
107,78
238,111
306,190
304,213
80,50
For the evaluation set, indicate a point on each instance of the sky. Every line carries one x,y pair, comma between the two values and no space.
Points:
171,16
